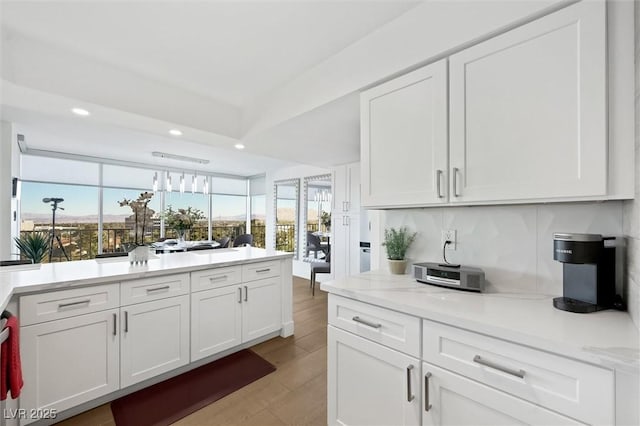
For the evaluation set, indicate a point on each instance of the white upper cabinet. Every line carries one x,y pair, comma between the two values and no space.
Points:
529,110
404,139
539,113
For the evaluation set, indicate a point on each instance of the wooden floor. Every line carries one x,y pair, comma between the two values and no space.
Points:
295,394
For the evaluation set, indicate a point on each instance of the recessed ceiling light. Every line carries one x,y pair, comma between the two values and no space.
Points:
80,111
175,132
239,146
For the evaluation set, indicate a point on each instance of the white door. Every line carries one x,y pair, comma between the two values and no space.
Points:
353,182
451,399
370,384
216,321
353,244
154,338
261,308
339,245
528,111
69,361
403,127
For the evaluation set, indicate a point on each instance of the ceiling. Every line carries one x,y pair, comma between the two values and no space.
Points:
224,54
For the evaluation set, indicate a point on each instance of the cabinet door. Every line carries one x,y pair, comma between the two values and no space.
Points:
370,384
404,139
528,111
451,399
154,338
69,361
353,187
261,308
216,321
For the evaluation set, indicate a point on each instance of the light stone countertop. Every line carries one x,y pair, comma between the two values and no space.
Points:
50,276
607,338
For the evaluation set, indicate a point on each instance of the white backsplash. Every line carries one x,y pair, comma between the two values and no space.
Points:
512,244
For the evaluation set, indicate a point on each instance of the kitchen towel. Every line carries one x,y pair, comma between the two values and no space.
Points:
10,367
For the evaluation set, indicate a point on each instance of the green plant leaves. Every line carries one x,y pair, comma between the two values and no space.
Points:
397,241
33,245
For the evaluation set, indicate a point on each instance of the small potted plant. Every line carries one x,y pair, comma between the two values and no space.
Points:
397,241
33,246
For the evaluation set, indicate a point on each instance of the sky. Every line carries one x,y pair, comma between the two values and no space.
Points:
83,200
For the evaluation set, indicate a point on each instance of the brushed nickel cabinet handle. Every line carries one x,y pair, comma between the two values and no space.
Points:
518,373
218,278
427,405
126,321
263,270
455,182
68,305
164,287
365,322
439,182
239,294
410,396
246,293
115,327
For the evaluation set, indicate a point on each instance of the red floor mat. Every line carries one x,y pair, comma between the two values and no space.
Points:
175,398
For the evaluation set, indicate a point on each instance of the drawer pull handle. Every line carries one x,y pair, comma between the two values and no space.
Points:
263,270
68,305
218,278
239,294
115,327
518,373
246,293
410,396
365,322
427,405
164,287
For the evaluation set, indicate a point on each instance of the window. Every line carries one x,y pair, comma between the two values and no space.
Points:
76,226
229,215
286,214
123,227
176,200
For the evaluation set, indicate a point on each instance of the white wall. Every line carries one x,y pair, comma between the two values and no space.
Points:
631,223
9,167
512,244
300,268
422,34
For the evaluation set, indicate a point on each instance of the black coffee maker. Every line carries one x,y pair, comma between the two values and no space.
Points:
588,272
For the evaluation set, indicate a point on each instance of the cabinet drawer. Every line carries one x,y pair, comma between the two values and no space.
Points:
147,289
55,305
579,390
257,271
390,328
215,278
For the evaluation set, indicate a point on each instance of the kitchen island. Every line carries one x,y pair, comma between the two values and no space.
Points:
94,330
457,357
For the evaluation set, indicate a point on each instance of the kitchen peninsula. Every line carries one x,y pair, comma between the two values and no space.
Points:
116,327
447,356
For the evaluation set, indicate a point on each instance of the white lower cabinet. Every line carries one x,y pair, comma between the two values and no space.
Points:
155,338
261,312
451,399
69,361
216,321
228,316
370,384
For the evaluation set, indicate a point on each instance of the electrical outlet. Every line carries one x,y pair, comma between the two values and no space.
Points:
449,235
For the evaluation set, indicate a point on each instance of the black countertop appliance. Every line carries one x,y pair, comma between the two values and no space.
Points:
589,273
